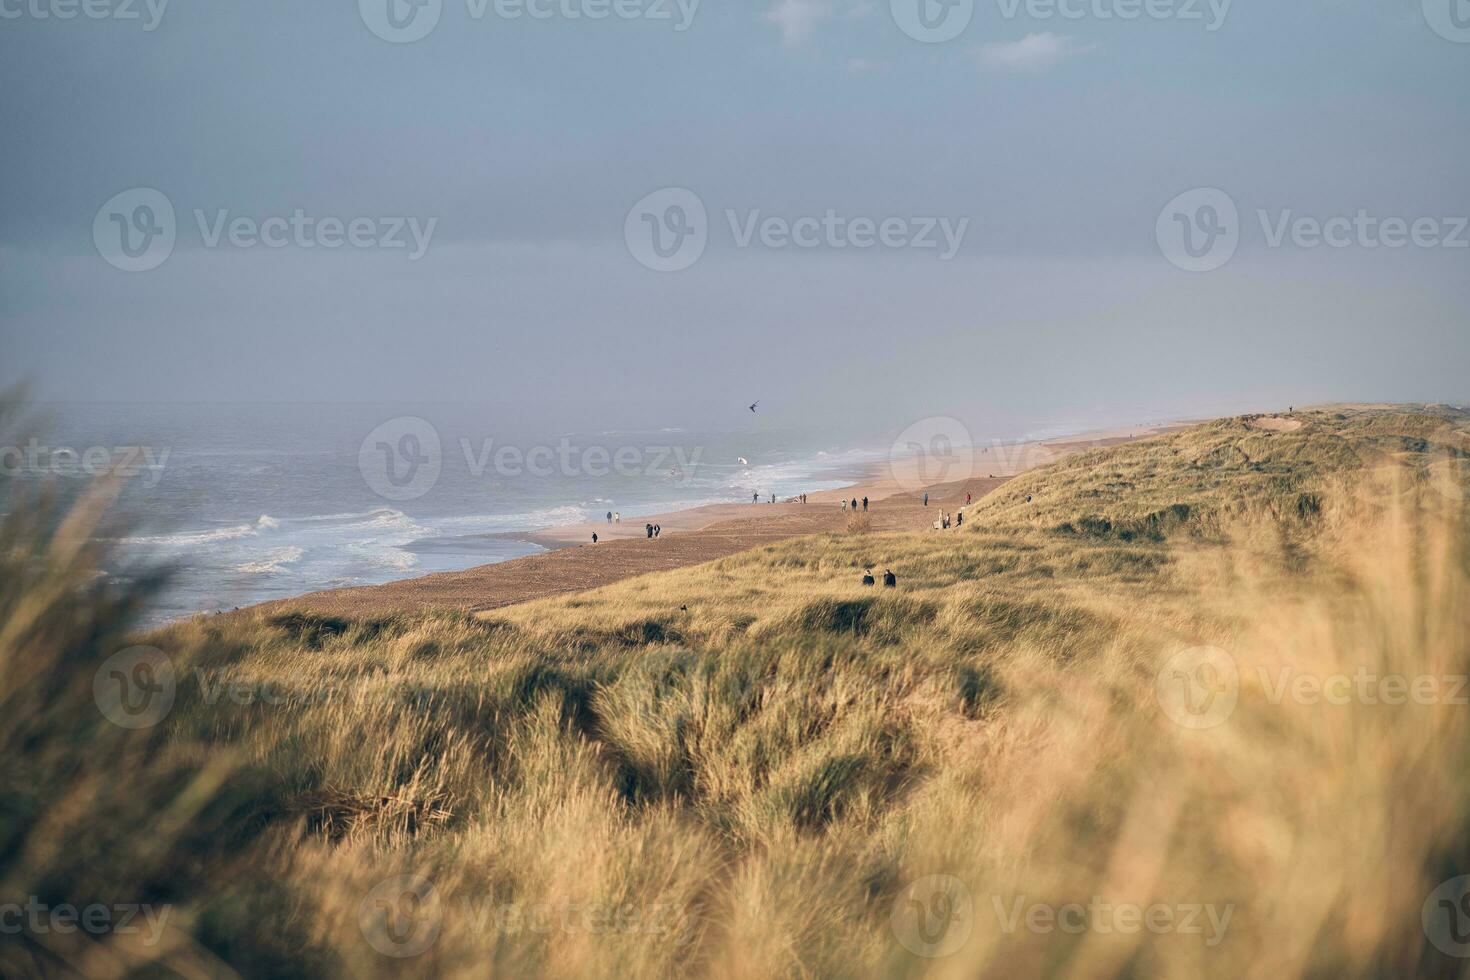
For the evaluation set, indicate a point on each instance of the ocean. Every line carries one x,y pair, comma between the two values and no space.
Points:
257,502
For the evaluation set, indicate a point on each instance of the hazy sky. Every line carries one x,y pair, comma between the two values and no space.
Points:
1047,137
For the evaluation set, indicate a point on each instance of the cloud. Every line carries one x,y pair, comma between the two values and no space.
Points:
1033,53
796,19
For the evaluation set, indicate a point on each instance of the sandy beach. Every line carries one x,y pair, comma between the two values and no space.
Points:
573,563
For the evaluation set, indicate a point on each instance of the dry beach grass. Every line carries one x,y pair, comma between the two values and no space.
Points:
758,767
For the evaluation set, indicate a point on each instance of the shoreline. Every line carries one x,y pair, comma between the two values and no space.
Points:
572,563
877,480
684,520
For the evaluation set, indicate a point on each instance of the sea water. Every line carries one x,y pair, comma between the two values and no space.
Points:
250,503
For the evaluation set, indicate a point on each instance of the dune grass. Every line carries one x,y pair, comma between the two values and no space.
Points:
759,767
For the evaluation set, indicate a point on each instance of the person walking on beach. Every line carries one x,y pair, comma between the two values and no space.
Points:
649,529
657,530
865,505
618,517
609,517
959,519
594,537
755,498
773,498
926,498
854,504
967,498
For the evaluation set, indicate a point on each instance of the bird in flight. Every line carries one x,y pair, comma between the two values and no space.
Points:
753,405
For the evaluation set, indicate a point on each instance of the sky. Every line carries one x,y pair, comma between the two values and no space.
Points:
655,212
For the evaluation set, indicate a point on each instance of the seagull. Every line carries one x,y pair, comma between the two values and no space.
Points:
753,405
744,461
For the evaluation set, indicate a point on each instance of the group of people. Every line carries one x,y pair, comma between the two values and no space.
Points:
945,521
854,504
652,530
890,581
800,498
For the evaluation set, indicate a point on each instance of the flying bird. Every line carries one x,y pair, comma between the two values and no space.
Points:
753,405
744,461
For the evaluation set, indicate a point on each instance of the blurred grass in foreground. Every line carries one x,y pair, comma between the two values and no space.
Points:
1081,707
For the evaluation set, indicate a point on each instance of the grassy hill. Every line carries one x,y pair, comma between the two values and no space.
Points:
760,767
